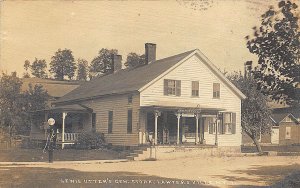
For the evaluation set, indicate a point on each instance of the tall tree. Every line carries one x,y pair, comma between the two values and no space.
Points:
134,60
26,67
82,69
103,62
38,68
62,64
255,112
10,110
276,42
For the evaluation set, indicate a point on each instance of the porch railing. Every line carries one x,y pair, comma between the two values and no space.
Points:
69,137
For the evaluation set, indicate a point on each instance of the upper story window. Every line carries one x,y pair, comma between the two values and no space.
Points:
195,88
129,99
172,87
216,90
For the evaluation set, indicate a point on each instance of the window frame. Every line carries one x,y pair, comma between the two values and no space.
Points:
288,136
110,120
130,99
175,87
217,94
193,90
129,123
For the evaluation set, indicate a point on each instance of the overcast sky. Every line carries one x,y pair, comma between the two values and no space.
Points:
32,29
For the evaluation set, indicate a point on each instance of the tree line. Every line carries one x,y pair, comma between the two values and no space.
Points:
64,66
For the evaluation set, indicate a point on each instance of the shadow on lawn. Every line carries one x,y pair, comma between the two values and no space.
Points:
280,176
31,177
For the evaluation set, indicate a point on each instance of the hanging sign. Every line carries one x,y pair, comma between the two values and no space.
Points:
51,121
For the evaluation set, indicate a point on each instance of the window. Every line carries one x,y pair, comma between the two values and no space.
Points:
212,125
226,124
229,123
216,90
195,89
130,99
288,133
110,121
172,87
129,121
93,122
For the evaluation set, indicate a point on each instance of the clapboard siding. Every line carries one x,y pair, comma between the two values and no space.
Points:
119,105
193,69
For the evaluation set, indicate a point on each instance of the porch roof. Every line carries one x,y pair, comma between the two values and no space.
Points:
75,108
181,107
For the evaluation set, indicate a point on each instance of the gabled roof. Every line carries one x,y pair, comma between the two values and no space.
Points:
130,80
279,114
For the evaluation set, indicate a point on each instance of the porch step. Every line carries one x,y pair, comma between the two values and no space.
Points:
130,158
134,154
139,151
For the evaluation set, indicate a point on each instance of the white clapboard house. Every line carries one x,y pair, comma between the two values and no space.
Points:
179,100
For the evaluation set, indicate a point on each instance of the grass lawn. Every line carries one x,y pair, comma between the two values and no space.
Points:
37,155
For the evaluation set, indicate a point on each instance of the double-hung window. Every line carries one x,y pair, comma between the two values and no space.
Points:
172,87
216,90
195,88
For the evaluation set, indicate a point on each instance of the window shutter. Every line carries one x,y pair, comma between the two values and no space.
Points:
223,123
178,87
211,127
220,129
233,128
165,87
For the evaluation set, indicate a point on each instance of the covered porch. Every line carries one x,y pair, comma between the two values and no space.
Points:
179,125
70,120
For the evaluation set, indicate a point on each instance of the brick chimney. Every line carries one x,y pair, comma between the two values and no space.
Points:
116,63
150,52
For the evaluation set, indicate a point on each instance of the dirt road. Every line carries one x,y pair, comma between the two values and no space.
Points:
199,171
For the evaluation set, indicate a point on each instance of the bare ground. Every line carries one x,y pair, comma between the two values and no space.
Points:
197,171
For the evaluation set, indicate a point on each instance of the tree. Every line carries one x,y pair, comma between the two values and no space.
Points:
255,112
15,106
134,60
26,67
10,111
62,64
38,68
276,43
82,69
103,62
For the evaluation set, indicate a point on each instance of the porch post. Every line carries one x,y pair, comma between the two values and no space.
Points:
197,127
156,113
216,136
63,130
178,124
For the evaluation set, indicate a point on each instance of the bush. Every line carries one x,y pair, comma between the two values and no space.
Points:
90,140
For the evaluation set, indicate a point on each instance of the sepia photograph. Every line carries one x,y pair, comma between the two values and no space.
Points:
149,93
